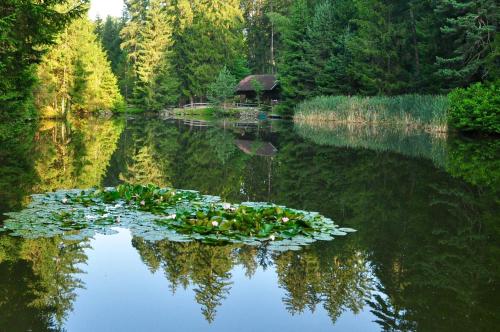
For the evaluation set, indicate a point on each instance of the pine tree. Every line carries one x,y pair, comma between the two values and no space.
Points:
469,28
22,47
147,38
208,36
329,55
295,71
131,38
155,42
76,75
262,36
110,39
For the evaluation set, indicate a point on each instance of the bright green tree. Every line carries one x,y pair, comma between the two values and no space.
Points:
76,74
222,89
22,46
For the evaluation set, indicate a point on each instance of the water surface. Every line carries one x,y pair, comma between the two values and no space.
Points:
425,257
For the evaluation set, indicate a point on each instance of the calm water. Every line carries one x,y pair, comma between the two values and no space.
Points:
425,257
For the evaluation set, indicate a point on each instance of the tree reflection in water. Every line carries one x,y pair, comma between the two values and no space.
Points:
38,281
338,280
428,234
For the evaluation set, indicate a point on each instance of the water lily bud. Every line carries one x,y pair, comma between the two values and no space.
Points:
226,206
215,223
143,203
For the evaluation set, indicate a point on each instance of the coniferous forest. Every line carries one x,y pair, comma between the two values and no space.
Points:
165,53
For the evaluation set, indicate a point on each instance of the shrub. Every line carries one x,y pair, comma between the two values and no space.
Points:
476,108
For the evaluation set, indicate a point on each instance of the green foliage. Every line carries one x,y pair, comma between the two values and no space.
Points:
475,161
76,75
262,35
469,28
296,75
476,108
174,51
220,91
417,111
156,213
369,47
109,35
22,46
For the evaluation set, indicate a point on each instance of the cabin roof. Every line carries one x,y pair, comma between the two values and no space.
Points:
269,82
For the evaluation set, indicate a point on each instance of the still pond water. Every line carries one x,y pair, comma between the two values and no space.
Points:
425,257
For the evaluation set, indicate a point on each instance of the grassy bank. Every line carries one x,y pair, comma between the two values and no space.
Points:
415,111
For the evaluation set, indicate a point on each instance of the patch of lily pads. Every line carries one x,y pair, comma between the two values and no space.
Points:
155,213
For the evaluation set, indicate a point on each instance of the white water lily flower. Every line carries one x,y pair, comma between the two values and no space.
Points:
272,237
215,223
143,203
106,215
91,217
172,216
64,200
285,219
226,206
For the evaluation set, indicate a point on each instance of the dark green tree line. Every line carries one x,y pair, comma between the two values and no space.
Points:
374,47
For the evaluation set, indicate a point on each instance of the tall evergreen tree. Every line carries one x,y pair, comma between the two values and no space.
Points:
329,34
469,28
208,35
295,71
262,35
76,74
27,28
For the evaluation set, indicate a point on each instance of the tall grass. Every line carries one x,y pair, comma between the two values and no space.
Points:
417,111
406,141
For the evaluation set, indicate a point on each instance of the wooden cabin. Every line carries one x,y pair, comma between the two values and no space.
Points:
270,89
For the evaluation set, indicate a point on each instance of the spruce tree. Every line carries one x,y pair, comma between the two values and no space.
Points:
27,29
296,74
76,75
329,34
469,28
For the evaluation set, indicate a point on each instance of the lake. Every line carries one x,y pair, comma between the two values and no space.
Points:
424,258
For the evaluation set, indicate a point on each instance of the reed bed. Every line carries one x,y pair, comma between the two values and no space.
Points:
410,142
424,112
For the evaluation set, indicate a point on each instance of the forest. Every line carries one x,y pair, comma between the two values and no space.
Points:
163,53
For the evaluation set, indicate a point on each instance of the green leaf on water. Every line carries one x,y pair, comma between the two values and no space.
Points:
164,213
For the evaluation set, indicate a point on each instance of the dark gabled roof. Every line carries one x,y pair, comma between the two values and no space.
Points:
269,82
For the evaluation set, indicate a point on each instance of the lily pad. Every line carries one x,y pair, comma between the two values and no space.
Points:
155,213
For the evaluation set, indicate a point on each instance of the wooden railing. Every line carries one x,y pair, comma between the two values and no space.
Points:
196,105
237,105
